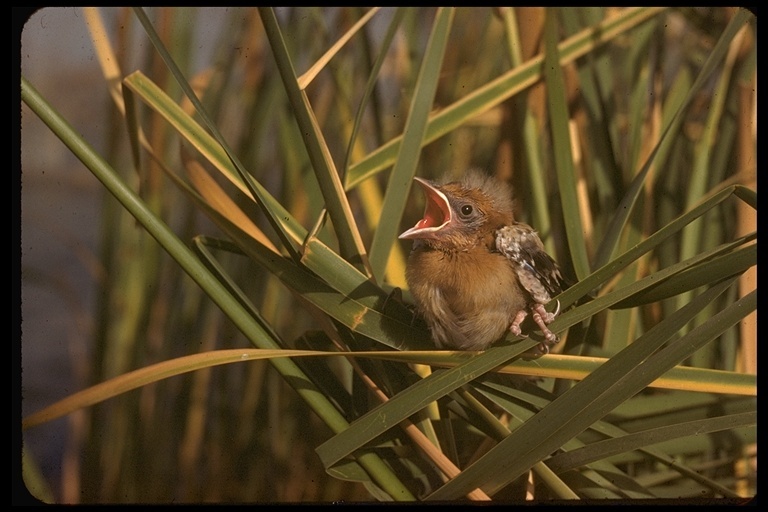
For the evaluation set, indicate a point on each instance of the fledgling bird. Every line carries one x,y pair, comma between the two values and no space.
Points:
474,272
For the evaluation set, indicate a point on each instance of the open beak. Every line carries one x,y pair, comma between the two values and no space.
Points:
437,213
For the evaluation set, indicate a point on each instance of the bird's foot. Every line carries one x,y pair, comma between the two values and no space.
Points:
515,327
543,318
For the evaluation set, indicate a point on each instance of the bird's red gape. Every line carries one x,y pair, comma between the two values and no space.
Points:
437,213
474,272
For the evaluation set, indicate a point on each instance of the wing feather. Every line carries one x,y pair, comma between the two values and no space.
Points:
537,272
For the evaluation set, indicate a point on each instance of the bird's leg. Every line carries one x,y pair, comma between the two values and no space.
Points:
515,327
542,317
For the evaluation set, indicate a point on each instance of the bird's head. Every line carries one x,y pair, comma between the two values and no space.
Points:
462,214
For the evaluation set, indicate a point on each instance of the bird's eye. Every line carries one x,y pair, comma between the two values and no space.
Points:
466,210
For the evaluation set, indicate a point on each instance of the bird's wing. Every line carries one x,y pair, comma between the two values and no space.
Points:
536,270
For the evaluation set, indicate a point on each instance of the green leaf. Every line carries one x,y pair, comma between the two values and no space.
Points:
350,243
416,397
501,88
408,155
636,440
617,380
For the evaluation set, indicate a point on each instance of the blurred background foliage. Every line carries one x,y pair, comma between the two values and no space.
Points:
650,114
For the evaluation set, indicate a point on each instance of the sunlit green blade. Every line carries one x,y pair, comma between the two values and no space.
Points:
350,243
253,186
189,130
408,156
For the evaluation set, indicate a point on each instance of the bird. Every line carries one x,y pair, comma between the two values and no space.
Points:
474,272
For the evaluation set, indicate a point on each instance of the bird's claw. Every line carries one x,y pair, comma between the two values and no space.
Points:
542,317
555,312
515,327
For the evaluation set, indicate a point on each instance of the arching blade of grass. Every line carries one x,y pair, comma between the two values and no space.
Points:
357,306
578,367
252,184
719,267
697,379
509,400
147,375
619,295
317,256
601,275
139,84
636,440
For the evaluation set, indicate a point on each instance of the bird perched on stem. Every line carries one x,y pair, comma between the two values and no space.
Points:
474,272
